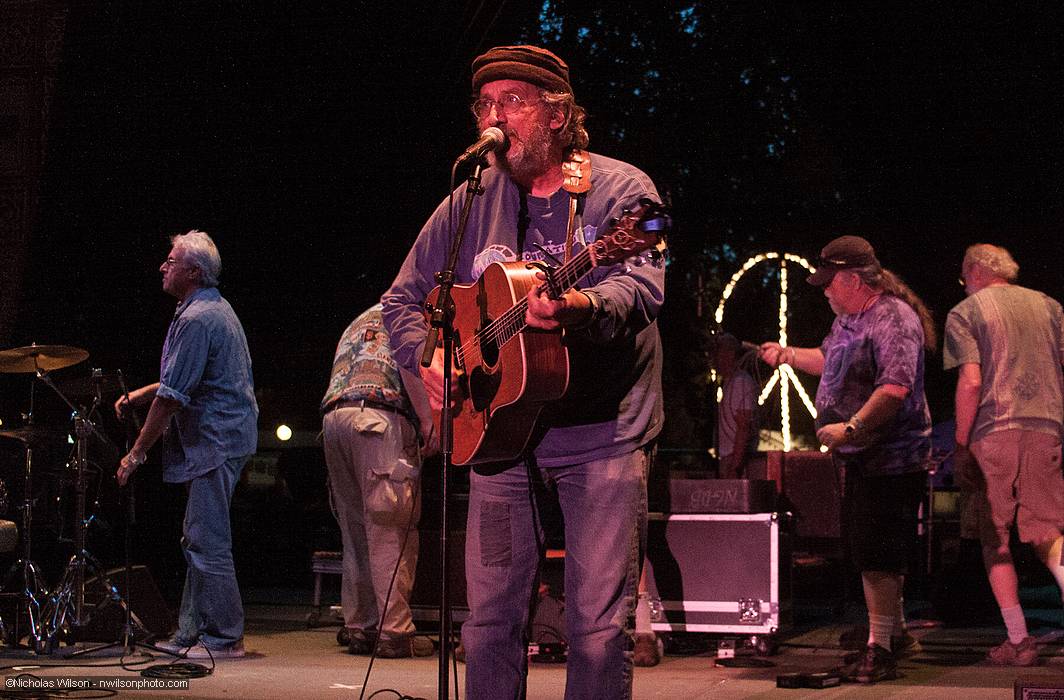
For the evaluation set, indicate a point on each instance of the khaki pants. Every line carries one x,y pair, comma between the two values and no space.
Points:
374,478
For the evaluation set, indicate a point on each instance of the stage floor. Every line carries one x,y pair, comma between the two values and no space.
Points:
286,660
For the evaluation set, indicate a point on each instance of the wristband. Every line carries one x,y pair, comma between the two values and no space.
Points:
596,310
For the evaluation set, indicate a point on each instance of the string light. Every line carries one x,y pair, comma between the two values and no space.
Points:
784,376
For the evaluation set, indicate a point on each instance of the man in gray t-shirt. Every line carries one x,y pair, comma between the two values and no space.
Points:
1008,342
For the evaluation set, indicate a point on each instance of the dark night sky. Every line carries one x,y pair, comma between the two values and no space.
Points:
312,143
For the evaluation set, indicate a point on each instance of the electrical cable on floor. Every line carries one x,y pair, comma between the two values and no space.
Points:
178,669
398,695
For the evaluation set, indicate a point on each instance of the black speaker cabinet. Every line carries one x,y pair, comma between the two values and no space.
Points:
106,618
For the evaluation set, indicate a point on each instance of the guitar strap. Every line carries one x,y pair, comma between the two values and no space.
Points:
577,181
522,223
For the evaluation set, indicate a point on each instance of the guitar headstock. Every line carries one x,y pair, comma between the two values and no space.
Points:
634,232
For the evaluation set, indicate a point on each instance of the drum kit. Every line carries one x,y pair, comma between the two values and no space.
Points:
46,616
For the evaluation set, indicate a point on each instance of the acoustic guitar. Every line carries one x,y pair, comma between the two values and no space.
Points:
507,371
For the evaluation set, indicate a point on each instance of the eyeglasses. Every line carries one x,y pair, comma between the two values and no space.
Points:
170,262
508,104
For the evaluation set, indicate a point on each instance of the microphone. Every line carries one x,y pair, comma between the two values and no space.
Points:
491,139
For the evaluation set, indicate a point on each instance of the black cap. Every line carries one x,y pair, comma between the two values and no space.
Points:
842,253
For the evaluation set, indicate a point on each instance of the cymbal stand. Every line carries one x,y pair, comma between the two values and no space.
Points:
65,608
34,590
133,623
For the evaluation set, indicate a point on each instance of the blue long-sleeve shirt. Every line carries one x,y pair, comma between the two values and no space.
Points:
206,367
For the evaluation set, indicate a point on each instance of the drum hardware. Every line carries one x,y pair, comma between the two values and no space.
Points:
97,383
133,623
34,592
65,608
54,615
39,360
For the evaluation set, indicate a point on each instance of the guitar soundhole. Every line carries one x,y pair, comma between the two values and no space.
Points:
489,352
482,388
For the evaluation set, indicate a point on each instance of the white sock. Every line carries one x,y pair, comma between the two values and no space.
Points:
880,628
1015,623
642,615
899,618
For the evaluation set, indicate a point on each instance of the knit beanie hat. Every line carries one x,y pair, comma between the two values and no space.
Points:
528,63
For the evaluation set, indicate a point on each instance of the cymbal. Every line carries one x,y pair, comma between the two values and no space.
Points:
34,435
107,383
46,357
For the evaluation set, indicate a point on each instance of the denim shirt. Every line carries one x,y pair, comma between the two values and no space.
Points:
206,367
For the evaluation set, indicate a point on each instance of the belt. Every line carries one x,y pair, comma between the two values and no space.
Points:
365,403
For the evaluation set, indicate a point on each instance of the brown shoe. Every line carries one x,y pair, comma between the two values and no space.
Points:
405,647
1008,654
874,665
360,642
647,650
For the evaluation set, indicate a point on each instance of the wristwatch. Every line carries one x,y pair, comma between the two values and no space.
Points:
134,461
854,426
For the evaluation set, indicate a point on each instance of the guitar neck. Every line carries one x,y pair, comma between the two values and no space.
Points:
512,322
624,239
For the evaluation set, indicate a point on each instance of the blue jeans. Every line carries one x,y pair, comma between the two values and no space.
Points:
604,507
211,609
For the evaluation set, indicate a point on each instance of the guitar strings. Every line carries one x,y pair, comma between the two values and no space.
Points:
513,318
507,326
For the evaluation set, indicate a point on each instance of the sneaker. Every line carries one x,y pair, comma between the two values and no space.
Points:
202,651
359,642
874,665
174,645
405,647
647,650
1008,654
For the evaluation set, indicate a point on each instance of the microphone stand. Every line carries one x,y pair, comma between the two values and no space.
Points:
129,641
441,322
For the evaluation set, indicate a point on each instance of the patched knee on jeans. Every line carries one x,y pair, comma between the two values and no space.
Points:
495,534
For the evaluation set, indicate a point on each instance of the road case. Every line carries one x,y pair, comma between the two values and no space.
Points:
718,573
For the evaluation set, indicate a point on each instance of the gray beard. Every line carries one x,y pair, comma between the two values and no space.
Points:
534,160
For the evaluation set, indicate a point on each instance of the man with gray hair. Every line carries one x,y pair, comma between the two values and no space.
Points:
204,402
591,447
1008,342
